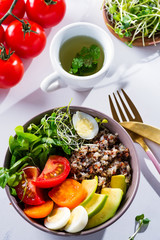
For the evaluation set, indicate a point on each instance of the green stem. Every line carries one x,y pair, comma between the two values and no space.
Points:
25,24
9,11
22,21
133,236
50,2
3,55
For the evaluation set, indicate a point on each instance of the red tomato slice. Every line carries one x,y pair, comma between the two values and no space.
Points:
55,172
26,191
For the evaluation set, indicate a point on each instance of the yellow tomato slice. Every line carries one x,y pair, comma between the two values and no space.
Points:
39,211
69,194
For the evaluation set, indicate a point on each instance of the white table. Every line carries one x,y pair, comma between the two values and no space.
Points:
139,79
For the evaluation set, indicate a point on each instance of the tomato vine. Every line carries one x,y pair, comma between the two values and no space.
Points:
9,12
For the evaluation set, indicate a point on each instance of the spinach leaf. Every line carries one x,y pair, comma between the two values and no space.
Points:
54,134
12,176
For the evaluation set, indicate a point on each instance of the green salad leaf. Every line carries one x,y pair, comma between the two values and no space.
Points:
55,134
12,176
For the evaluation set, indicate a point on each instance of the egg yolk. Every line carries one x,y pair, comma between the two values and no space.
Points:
84,127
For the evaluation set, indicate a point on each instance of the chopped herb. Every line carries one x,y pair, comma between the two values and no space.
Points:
141,221
85,61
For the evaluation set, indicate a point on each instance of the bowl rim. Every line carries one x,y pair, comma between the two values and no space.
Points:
118,214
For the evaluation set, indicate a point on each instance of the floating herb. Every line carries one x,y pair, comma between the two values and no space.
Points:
85,61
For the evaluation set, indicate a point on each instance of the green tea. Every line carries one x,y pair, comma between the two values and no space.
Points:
74,45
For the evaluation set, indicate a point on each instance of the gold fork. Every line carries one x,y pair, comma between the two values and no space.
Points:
135,137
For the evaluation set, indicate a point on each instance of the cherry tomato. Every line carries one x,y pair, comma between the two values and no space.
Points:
18,10
26,191
11,68
55,171
69,193
25,44
47,13
1,34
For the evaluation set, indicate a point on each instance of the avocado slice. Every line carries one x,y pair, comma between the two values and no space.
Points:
119,181
90,187
109,209
95,204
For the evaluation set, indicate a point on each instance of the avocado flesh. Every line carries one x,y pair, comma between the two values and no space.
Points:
90,187
119,181
95,204
113,201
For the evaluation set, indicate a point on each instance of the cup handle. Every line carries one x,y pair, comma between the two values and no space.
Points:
51,83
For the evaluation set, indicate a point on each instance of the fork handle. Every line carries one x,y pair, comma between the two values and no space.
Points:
153,159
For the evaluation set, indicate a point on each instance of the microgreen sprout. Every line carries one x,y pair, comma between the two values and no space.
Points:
134,18
142,221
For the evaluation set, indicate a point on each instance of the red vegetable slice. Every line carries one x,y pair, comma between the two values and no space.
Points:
26,191
55,172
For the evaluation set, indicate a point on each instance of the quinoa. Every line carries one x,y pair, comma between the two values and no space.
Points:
104,157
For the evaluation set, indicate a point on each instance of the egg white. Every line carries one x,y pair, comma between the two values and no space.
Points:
78,220
85,125
58,218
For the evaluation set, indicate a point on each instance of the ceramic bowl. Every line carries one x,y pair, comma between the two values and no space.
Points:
114,127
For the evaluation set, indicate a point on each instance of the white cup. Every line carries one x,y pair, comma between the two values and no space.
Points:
61,78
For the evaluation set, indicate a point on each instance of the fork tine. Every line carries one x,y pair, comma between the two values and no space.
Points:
113,110
125,108
133,108
120,109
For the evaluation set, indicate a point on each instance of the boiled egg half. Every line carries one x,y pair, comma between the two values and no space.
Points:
85,125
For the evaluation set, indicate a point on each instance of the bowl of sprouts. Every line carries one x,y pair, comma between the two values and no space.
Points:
70,171
135,22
